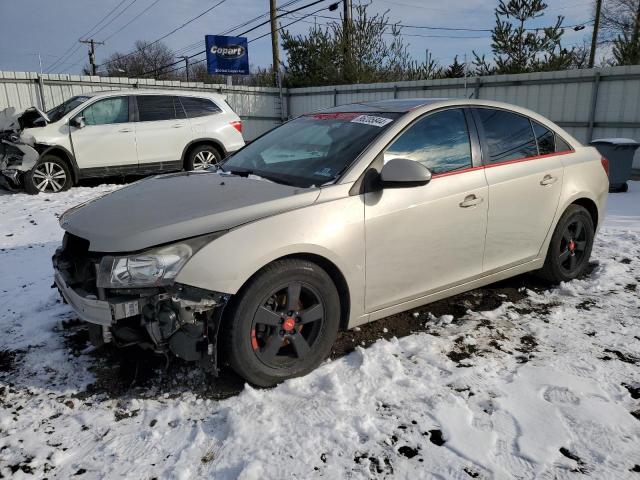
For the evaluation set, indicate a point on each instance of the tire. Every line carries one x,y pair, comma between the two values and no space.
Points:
50,175
283,323
570,246
202,157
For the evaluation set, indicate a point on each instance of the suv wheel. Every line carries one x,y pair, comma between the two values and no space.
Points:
203,157
570,246
50,175
283,323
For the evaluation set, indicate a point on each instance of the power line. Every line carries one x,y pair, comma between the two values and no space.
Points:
132,20
75,46
114,18
197,44
250,41
239,35
464,29
166,35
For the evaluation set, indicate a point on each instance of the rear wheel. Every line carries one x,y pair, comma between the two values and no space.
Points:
284,322
203,157
570,246
50,175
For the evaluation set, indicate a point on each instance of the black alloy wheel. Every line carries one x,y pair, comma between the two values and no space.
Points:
570,246
282,323
287,326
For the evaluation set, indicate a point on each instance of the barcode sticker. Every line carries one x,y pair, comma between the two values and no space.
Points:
372,120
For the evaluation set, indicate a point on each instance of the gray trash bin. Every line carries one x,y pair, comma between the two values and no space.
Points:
619,152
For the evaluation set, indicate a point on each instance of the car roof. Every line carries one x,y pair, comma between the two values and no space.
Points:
400,105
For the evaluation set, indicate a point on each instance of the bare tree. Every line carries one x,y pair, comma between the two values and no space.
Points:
148,60
621,26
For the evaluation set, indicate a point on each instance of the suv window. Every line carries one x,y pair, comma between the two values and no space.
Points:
199,107
152,108
107,111
509,136
439,141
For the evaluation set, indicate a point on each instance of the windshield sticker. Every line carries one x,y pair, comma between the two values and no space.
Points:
325,172
371,120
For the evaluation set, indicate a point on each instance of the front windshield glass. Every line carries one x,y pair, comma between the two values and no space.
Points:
56,113
310,150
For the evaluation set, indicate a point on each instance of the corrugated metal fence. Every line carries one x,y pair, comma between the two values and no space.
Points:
588,103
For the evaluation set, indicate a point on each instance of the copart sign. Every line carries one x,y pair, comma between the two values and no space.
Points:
227,55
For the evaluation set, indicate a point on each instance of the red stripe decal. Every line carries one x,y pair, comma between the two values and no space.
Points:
498,164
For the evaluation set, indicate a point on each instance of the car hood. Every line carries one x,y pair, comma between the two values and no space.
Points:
10,119
172,207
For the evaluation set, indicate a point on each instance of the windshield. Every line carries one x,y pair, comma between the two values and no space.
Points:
56,113
311,150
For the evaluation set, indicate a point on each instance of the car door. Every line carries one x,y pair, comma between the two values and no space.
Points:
107,141
426,238
524,186
162,132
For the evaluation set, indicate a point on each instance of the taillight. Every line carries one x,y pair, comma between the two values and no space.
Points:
605,165
237,125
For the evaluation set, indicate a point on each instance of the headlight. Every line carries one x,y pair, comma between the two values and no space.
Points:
151,268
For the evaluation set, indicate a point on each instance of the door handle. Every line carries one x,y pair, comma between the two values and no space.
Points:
125,130
177,125
548,180
471,201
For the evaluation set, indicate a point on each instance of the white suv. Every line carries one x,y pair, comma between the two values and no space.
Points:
115,133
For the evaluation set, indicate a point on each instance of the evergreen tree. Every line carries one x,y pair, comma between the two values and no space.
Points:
517,48
455,70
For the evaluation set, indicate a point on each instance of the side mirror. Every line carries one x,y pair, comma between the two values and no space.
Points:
77,122
402,172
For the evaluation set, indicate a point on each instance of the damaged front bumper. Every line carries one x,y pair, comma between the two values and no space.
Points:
15,159
179,319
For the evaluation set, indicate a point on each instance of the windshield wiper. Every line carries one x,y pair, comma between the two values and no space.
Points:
245,172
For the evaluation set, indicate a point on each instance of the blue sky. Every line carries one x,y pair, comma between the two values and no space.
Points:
51,28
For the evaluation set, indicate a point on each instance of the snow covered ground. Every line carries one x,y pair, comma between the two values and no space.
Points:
547,385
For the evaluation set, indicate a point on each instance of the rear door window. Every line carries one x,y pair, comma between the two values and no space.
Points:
107,111
152,108
508,136
439,141
199,107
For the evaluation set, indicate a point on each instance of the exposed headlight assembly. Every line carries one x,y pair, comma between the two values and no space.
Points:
151,268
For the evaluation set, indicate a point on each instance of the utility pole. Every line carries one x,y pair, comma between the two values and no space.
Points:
92,53
346,33
594,36
186,65
274,41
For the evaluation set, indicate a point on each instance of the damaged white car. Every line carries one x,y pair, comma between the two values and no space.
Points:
111,133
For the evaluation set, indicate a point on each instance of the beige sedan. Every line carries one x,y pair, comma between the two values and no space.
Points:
330,221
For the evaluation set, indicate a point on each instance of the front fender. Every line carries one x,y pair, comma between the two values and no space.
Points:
333,230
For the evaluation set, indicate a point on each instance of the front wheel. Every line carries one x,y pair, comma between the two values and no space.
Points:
50,175
283,323
570,246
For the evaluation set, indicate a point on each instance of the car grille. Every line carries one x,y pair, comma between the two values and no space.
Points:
77,263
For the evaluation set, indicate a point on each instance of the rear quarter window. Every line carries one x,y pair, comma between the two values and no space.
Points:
199,107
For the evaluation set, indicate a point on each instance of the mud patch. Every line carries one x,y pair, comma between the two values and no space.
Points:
633,391
581,468
376,465
9,359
